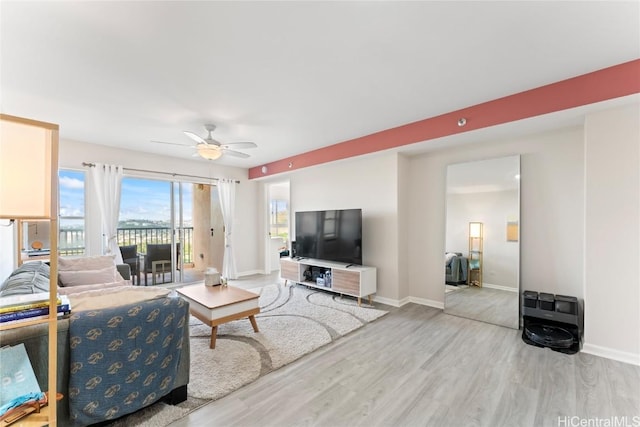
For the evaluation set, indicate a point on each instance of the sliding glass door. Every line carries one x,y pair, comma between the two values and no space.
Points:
158,218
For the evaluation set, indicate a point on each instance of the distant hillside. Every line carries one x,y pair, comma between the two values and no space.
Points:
143,223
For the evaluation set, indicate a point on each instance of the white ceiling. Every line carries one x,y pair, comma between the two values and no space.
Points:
290,76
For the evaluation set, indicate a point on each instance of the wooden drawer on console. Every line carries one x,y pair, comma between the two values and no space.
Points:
345,281
289,270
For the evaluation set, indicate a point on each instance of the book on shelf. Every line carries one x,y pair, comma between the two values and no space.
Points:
64,306
20,299
29,319
18,377
26,306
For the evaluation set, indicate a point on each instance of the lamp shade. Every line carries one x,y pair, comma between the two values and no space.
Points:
475,229
26,171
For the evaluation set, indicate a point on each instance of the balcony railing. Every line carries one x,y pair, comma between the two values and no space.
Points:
71,241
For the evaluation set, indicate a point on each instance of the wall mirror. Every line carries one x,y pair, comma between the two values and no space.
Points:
34,240
482,243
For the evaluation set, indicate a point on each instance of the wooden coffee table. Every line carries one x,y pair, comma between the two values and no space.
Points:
215,305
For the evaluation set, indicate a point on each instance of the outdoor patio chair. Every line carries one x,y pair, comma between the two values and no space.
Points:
157,261
130,256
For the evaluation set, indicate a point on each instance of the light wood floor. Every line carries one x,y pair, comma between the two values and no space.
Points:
485,304
419,366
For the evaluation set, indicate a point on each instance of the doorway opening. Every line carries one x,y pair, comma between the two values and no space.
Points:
279,220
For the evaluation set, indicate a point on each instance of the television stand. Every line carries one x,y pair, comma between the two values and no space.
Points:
354,280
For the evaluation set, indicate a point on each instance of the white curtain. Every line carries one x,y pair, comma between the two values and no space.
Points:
107,180
227,194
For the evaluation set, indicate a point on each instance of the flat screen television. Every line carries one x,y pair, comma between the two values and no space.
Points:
331,235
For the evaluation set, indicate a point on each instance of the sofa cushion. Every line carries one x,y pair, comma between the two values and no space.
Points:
87,263
69,290
91,270
29,278
89,277
114,297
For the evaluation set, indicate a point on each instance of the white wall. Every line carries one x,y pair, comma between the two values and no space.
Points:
612,218
73,153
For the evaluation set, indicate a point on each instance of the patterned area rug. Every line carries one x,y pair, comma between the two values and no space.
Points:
293,321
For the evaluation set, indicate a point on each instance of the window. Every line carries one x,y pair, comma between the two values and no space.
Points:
71,212
279,219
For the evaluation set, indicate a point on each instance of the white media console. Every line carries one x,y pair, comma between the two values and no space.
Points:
355,280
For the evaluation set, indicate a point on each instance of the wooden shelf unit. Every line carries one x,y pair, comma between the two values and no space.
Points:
475,253
356,280
41,165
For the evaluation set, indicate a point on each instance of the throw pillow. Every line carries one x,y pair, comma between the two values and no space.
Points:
29,278
89,277
86,263
83,288
448,257
114,297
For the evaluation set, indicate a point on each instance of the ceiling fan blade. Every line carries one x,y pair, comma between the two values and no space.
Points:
195,137
235,154
240,145
169,143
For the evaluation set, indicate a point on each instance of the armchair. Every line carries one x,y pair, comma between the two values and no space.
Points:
130,257
158,261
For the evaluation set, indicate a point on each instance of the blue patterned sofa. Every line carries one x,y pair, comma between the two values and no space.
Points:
120,350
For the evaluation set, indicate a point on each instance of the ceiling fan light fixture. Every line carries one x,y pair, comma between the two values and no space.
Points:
209,152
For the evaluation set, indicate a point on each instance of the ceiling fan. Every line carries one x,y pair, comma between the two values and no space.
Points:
210,149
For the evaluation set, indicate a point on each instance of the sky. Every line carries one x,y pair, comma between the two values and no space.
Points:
141,199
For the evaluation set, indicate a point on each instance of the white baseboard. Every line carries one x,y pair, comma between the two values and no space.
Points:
427,302
388,301
609,353
250,273
499,287
407,300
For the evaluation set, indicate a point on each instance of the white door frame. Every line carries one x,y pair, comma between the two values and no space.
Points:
268,252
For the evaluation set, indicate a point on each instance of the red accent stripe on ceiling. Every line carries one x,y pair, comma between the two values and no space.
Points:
608,83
